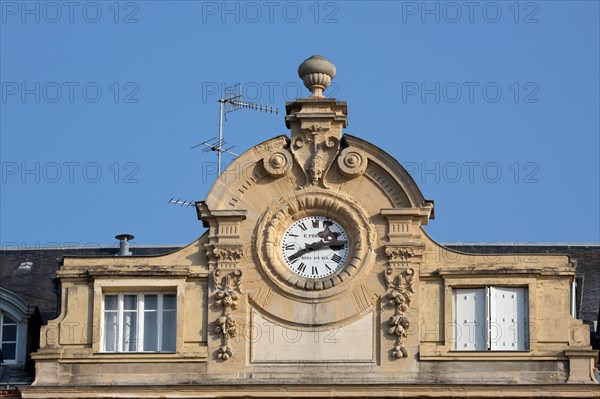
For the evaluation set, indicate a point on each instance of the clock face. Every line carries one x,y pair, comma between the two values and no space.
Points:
315,247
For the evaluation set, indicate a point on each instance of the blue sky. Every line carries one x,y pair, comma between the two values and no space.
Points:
493,107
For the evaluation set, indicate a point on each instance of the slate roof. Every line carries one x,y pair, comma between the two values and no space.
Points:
35,286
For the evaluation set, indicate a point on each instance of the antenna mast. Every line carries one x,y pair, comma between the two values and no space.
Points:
231,101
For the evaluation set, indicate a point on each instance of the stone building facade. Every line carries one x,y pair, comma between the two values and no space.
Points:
315,278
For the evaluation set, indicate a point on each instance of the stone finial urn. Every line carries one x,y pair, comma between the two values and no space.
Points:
316,73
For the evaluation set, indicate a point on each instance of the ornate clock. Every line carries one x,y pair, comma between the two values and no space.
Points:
315,246
312,244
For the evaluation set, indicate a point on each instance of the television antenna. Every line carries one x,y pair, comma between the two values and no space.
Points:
181,202
231,101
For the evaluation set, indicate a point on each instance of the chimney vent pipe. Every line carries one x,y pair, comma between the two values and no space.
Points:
124,244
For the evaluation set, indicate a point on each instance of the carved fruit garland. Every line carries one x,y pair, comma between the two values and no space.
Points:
399,296
227,289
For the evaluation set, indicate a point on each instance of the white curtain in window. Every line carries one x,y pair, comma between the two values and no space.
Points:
130,325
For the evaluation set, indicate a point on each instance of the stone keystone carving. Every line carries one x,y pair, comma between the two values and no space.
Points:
315,151
399,296
228,288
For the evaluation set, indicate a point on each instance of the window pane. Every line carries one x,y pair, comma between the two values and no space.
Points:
9,333
150,331
9,351
150,302
8,320
110,302
169,331
130,302
130,331
110,331
169,302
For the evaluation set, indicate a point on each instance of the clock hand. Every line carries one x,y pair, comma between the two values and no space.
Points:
318,245
309,247
336,243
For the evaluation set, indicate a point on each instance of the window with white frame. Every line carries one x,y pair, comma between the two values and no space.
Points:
491,319
139,322
8,338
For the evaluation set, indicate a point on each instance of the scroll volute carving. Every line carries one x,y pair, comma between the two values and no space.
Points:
315,150
352,162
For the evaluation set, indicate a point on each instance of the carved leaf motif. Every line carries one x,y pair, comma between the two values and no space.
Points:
228,254
399,253
229,282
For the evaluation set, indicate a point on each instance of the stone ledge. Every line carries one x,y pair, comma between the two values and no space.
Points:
317,390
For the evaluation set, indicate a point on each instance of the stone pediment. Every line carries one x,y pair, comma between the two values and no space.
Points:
272,160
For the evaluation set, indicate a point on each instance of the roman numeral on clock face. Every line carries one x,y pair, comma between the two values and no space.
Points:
336,258
289,247
315,223
302,226
314,270
301,267
292,259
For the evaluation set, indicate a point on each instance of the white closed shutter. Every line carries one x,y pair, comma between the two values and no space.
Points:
508,319
470,319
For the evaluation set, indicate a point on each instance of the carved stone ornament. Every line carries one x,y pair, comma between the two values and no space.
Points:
227,284
315,150
399,296
313,202
352,162
316,72
225,253
399,253
225,326
278,163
